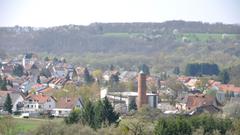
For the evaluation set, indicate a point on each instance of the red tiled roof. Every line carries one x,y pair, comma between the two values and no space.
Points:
199,100
41,98
229,87
65,102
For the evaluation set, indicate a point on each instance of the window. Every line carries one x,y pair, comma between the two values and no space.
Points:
39,106
49,106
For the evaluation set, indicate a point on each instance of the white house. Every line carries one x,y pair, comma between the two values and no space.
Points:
65,105
39,103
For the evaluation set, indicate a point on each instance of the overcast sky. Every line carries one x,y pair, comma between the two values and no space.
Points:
45,13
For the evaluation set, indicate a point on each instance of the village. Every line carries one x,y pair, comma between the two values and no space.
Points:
32,85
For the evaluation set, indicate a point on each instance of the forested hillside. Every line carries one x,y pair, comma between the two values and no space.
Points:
160,45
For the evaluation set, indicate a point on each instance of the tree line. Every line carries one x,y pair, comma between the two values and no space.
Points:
94,114
198,69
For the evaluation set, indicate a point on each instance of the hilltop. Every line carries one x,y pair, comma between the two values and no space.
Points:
170,43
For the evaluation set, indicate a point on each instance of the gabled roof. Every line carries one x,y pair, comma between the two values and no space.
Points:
199,100
40,98
68,103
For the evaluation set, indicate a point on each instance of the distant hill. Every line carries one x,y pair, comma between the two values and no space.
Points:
165,44
114,37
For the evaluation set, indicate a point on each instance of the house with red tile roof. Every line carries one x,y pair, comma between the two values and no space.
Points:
65,105
39,103
201,102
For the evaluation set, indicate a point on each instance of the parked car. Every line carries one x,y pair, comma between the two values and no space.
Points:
25,115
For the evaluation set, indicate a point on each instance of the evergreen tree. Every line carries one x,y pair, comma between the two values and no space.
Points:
73,117
132,105
224,77
46,58
111,67
176,70
99,114
87,77
10,83
8,104
45,72
109,115
38,79
55,60
3,85
1,81
94,114
18,70
114,79
88,114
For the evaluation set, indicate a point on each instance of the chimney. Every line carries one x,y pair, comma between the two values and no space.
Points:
142,87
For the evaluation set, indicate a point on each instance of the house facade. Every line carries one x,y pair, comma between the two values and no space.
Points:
65,105
39,103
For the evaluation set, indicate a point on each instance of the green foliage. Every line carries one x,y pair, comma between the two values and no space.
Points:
196,69
88,79
88,114
94,114
173,126
110,116
18,70
210,124
224,77
46,58
45,72
73,117
134,127
114,80
176,70
4,83
132,105
38,79
7,126
234,75
8,104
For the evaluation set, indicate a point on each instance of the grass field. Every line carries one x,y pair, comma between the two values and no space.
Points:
10,125
119,34
31,124
24,125
204,37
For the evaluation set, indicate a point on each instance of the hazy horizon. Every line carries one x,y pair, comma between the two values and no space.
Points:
48,13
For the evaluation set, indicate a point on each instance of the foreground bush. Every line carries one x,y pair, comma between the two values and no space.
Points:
94,114
203,124
173,126
7,126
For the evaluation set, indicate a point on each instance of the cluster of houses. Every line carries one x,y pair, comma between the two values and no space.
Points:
33,91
